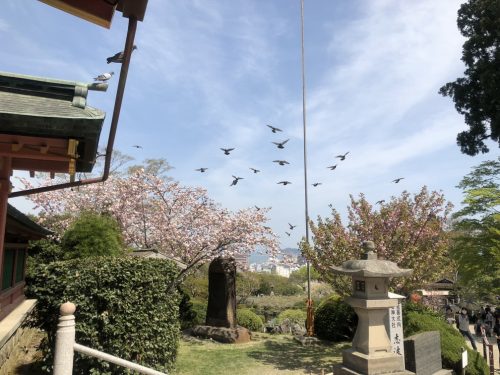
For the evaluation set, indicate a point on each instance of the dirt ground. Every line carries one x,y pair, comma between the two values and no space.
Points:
25,359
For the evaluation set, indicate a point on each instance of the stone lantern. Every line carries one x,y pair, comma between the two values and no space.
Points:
371,348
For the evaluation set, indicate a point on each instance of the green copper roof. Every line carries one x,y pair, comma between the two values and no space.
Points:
43,107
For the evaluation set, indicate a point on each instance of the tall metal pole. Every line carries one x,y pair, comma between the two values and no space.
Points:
310,316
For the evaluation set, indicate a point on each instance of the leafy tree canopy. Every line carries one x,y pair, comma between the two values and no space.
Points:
477,94
408,230
476,240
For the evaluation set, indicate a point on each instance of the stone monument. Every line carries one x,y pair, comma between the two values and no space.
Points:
221,310
371,351
221,324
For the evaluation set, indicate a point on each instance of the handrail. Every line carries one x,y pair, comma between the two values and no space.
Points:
117,361
66,346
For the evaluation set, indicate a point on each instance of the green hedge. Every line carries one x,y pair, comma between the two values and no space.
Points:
248,319
123,308
416,320
335,320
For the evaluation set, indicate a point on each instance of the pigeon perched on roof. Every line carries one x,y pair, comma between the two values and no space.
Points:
227,150
281,162
396,180
235,181
281,144
284,183
342,157
255,170
332,167
104,76
202,170
118,57
316,184
273,129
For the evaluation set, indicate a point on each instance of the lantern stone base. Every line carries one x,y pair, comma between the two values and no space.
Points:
354,362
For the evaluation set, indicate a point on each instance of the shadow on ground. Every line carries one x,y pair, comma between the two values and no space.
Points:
287,354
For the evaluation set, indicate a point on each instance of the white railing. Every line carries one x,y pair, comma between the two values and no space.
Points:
66,346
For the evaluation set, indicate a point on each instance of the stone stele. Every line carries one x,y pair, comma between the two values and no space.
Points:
221,324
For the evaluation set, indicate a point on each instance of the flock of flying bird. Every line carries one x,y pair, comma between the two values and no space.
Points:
118,58
279,145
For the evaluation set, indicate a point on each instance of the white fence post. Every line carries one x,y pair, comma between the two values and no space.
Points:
65,340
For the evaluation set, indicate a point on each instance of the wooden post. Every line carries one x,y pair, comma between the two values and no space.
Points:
5,171
65,340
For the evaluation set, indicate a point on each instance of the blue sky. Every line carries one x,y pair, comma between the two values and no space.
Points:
209,74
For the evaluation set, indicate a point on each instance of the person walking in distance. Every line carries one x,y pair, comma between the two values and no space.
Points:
463,327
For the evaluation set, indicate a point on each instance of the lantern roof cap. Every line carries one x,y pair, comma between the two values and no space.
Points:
371,266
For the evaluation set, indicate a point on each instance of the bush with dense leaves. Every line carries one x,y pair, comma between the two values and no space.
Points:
293,316
124,308
335,320
199,310
417,319
248,319
92,234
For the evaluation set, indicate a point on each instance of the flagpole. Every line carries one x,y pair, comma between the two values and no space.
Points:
310,316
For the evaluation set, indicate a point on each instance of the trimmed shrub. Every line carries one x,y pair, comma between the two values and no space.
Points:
417,319
200,310
293,316
335,320
123,308
248,319
92,235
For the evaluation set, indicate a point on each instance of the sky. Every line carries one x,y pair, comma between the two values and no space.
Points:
211,74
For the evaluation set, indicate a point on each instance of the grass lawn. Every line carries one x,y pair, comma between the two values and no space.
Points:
265,354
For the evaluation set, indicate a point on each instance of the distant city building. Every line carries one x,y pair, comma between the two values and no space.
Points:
281,270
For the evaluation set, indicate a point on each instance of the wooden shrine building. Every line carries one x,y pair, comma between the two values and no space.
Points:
19,230
45,126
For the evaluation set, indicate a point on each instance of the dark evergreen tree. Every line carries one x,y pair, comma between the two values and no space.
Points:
477,94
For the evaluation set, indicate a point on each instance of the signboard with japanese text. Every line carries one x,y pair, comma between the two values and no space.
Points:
396,326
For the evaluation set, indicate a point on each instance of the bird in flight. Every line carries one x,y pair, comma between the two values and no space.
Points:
342,157
281,162
257,208
281,144
288,234
332,167
227,150
202,170
380,201
273,129
255,170
235,181
330,205
104,76
284,183
316,184
396,180
291,226
137,146
118,57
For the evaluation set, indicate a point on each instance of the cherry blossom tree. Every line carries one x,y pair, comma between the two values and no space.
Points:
156,213
408,230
